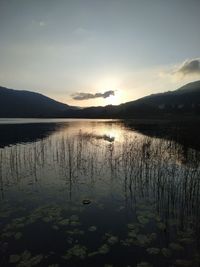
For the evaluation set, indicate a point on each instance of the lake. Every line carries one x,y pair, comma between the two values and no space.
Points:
99,193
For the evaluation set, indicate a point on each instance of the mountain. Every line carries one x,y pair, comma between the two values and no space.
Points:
24,104
183,101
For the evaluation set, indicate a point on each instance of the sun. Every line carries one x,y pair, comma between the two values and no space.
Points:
115,99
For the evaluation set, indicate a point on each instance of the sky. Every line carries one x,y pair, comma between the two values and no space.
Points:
99,52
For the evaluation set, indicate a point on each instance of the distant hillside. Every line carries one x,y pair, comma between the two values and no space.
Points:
16,103
183,101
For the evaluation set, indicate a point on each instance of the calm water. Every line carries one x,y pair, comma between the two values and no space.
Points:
97,193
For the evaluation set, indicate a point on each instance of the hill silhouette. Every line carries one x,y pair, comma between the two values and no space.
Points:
25,104
183,101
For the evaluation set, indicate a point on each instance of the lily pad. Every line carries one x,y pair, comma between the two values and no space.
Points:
92,254
142,239
144,264
186,240
77,251
55,227
26,255
113,240
74,218
18,235
176,246
184,263
14,258
104,249
75,223
153,251
142,219
64,222
166,252
92,228
161,226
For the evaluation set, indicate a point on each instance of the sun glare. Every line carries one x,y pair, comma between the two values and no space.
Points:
114,99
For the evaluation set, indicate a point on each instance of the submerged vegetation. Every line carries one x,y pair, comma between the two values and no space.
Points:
78,200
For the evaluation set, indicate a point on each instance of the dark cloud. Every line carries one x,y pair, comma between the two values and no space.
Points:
85,96
190,67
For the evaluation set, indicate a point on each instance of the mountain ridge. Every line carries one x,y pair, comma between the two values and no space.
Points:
22,103
27,103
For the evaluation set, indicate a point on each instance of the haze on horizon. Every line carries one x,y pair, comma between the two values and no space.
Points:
99,52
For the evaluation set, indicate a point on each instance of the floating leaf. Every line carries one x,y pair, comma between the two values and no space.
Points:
131,226
18,235
186,240
75,223
153,251
142,239
152,236
133,233
172,222
30,261
161,226
74,218
92,228
128,242
7,235
113,240
47,219
121,208
55,227
144,264
76,251
142,219
14,258
75,232
26,255
176,246
184,263
92,254
64,222
104,249
166,252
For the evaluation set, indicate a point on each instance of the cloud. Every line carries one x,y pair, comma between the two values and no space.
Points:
85,96
189,67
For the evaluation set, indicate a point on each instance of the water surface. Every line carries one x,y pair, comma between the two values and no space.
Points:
96,193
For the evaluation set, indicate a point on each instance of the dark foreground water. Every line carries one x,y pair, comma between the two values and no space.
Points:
97,193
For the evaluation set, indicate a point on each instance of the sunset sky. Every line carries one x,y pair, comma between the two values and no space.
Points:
99,52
